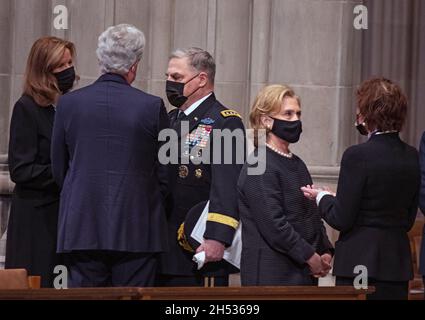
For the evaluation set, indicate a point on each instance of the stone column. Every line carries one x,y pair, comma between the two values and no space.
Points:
316,50
394,47
18,28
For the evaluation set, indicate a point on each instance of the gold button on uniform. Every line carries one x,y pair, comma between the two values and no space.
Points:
183,172
198,173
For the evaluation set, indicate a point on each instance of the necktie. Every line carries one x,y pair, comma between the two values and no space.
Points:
181,116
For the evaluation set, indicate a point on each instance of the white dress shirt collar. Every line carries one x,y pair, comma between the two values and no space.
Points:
195,105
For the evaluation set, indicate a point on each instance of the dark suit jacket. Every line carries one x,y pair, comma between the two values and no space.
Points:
32,230
375,207
191,184
105,157
422,201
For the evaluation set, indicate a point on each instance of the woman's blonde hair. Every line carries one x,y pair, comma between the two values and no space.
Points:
45,56
268,102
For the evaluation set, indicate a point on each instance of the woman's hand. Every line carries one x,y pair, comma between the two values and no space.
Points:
316,265
320,265
311,192
327,258
326,263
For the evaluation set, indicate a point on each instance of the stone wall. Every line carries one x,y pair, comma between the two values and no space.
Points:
308,44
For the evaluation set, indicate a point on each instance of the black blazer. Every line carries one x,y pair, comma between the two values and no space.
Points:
29,151
422,201
375,207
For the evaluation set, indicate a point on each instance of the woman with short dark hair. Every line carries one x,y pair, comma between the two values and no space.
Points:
377,196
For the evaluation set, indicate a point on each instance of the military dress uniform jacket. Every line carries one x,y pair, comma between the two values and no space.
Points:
191,185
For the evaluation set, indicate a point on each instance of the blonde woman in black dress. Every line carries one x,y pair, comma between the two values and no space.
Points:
284,239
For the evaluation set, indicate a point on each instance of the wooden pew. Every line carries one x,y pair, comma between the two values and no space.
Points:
72,294
186,293
256,293
14,279
18,279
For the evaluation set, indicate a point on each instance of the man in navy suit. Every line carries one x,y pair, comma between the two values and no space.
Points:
422,204
112,224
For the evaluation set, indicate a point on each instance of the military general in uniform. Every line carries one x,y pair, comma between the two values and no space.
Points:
206,172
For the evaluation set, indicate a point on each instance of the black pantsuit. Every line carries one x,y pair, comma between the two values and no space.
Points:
32,230
375,207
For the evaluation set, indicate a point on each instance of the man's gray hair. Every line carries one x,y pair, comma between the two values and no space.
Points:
199,59
119,48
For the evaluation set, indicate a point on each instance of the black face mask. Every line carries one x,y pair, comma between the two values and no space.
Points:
175,91
361,128
289,131
66,79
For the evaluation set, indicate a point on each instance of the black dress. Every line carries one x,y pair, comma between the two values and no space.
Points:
32,229
281,229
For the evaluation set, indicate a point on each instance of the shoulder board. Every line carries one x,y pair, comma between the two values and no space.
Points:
230,113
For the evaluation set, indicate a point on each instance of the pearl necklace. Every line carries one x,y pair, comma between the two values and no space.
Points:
283,154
